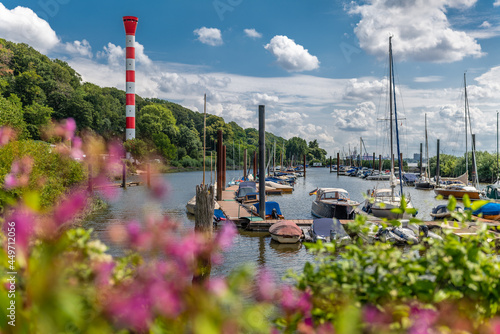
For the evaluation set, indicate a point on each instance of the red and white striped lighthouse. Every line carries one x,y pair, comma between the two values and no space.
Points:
130,23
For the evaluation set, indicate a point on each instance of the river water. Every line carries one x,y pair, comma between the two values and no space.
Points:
248,247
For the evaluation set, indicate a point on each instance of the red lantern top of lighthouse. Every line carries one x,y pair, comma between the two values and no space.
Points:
130,23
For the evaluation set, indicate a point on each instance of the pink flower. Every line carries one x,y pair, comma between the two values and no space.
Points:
422,320
10,181
67,210
130,311
19,175
69,127
76,149
105,187
217,286
159,189
225,237
6,134
20,226
266,288
104,272
165,299
292,303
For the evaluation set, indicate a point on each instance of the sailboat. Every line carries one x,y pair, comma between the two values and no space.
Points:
460,189
424,181
381,202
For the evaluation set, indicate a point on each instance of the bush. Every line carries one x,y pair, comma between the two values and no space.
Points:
52,173
187,161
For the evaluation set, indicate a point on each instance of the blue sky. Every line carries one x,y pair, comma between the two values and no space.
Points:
319,66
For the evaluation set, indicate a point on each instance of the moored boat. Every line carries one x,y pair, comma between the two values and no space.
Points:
329,230
285,232
489,211
380,203
441,212
458,190
273,210
333,203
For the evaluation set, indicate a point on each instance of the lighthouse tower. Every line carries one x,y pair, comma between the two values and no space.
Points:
130,23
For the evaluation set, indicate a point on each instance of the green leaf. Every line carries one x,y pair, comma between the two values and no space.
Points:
452,203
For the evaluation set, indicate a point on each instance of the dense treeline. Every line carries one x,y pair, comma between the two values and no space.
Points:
35,90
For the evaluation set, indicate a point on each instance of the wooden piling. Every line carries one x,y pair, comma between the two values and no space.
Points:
224,166
380,163
124,175
262,161
245,165
437,165
148,174
331,163
255,165
205,202
338,163
219,165
304,165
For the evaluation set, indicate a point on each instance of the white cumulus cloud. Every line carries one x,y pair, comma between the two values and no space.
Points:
252,33
115,54
421,30
82,48
291,56
496,3
209,36
22,25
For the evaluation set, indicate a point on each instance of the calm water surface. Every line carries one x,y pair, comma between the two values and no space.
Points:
248,247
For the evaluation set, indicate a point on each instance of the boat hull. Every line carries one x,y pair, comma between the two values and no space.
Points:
285,239
424,185
457,193
332,210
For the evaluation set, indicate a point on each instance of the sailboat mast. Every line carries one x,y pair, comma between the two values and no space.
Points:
390,113
465,111
428,172
497,148
205,137
400,161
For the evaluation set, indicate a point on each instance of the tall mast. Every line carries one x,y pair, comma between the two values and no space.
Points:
465,111
427,149
205,138
497,147
390,114
400,162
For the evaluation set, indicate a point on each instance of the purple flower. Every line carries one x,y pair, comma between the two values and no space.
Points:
422,320
10,181
104,272
217,286
20,225
224,238
76,150
165,299
69,128
67,210
266,288
130,311
6,134
292,303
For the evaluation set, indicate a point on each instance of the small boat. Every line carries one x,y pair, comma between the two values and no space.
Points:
492,192
283,187
407,234
489,211
245,188
218,217
424,182
285,232
273,210
458,190
441,212
409,179
329,230
332,203
381,202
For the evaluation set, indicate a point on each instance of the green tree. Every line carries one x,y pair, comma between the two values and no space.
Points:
156,118
296,147
11,114
164,146
36,116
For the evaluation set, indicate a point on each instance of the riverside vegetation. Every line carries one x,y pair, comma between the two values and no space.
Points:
65,281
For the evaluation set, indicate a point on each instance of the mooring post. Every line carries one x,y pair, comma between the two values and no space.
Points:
219,165
204,213
437,165
224,166
148,174
338,163
245,165
124,174
304,165
380,163
331,163
402,164
262,161
255,165
373,165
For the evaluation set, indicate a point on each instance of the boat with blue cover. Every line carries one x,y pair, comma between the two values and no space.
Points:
489,211
273,210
